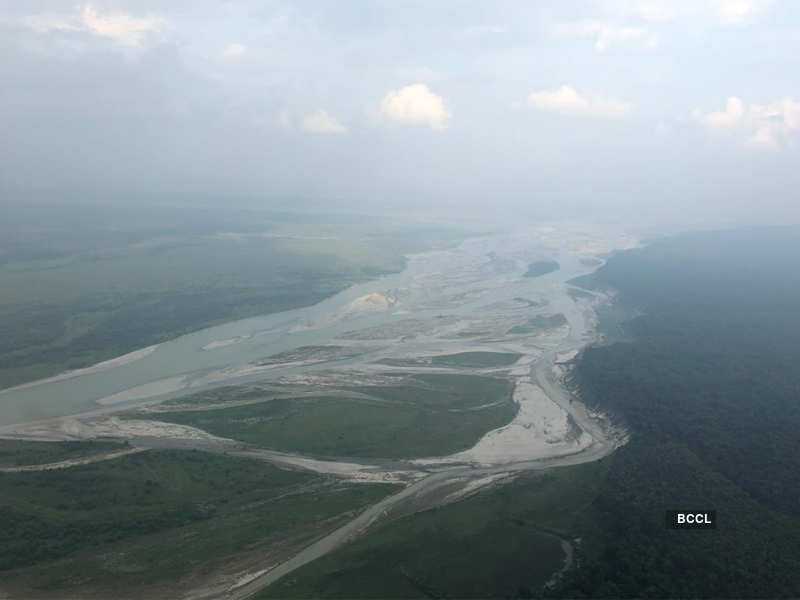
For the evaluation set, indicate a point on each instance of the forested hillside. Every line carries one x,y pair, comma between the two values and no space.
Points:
710,391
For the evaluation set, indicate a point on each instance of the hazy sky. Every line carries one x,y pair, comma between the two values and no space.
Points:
624,108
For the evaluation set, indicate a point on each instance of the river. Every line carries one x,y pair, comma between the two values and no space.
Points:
209,357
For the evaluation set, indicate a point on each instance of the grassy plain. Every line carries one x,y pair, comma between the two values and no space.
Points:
152,518
473,360
16,453
85,285
542,267
228,393
429,415
539,322
500,543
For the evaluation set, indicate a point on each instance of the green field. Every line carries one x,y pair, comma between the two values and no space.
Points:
89,285
16,453
539,322
228,393
426,416
154,518
473,360
542,267
311,353
499,543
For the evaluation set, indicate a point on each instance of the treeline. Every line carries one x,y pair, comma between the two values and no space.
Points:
710,392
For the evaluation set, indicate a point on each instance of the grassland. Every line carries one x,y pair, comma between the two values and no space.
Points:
539,322
428,415
89,285
16,453
312,354
473,360
228,393
499,543
542,267
77,312
157,517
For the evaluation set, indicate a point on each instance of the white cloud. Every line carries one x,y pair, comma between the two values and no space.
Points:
416,104
776,123
657,11
733,113
784,112
702,12
604,34
732,12
766,125
50,22
763,137
125,29
322,122
122,28
232,50
479,31
566,100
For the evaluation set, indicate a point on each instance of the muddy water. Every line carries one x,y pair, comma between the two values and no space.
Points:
190,361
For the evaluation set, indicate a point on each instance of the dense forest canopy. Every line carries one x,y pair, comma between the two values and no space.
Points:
710,392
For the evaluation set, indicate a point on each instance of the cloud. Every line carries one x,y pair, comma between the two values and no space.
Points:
43,23
785,112
322,122
776,122
122,28
733,12
476,31
566,100
232,50
767,125
416,104
604,33
703,13
763,137
658,12
734,110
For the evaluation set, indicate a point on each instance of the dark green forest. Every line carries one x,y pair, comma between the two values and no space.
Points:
154,518
542,267
709,390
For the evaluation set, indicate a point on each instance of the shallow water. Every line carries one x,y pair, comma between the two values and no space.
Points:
183,364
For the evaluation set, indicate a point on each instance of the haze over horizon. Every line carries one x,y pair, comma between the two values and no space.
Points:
664,111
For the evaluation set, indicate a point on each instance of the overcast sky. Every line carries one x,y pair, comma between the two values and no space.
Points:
599,107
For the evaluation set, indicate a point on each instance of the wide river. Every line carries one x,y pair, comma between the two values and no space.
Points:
208,357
